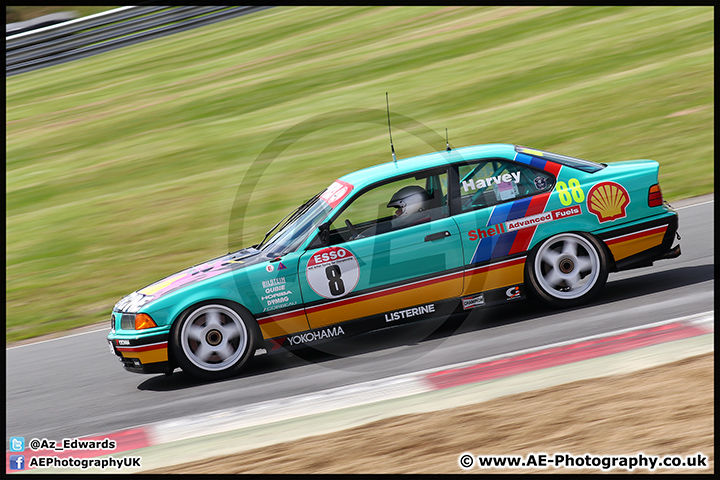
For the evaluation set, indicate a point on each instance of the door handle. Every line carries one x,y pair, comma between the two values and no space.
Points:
437,236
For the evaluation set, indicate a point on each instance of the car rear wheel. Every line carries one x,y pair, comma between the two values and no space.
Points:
567,269
214,340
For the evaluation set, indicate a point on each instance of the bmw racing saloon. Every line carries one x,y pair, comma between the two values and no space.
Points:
428,236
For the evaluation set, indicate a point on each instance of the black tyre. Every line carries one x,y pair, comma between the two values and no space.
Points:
567,269
214,340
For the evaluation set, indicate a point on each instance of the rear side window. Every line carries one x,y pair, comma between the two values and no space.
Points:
487,183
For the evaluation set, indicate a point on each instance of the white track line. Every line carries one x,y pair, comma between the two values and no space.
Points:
695,204
106,329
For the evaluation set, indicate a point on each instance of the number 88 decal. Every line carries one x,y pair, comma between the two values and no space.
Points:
333,272
567,195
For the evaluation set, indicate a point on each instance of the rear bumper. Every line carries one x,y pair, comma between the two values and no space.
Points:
642,244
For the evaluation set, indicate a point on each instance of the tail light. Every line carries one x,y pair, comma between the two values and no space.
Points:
655,198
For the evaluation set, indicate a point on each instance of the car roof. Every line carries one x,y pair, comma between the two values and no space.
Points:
370,175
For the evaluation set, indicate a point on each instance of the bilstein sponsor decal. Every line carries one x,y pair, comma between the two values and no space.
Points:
410,312
275,292
524,222
315,335
474,301
276,295
272,282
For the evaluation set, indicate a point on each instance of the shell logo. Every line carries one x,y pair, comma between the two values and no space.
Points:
608,201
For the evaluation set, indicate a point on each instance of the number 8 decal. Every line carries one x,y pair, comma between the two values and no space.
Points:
337,287
332,272
577,194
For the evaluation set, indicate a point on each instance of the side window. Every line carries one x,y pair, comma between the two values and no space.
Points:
392,206
491,182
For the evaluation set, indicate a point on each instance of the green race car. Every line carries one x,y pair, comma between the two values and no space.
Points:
423,237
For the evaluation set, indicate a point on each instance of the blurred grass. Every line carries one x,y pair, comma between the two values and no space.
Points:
123,167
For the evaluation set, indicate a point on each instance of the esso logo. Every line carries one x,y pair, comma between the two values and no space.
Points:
333,272
325,256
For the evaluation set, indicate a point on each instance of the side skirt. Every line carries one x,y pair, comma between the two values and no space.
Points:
393,318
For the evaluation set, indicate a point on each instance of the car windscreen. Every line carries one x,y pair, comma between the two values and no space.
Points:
296,229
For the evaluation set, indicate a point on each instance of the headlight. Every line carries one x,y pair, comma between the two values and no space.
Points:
139,321
127,321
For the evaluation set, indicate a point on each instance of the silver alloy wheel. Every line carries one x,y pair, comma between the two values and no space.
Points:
214,337
567,266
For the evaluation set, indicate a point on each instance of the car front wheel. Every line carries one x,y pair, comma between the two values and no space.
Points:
567,269
213,340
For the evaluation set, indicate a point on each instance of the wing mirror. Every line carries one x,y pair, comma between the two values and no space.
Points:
324,234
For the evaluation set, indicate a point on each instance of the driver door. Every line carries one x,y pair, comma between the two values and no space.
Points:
375,265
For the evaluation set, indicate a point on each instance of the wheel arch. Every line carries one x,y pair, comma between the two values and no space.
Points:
170,307
608,253
537,241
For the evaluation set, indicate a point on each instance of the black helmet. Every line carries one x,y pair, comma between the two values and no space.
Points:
409,201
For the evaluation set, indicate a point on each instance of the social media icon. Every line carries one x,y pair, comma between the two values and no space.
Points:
17,444
17,462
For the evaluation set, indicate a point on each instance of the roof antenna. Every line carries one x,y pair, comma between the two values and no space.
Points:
387,102
447,144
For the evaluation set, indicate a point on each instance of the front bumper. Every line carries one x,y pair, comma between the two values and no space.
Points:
142,354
